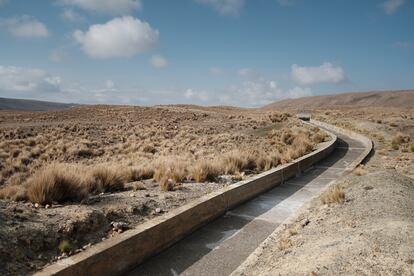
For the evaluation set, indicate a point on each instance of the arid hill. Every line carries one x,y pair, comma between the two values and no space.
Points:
31,105
401,99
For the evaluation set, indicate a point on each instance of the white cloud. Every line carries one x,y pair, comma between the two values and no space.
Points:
24,26
224,7
391,6
111,7
71,16
158,61
121,37
326,73
17,81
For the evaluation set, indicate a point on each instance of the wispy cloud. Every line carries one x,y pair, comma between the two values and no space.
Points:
71,16
158,61
224,7
111,7
25,27
404,44
325,73
391,6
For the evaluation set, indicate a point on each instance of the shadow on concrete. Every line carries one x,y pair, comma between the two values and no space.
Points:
188,251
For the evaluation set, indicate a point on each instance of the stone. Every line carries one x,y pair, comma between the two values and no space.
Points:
119,225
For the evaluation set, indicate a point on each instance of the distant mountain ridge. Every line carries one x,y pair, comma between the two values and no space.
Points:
31,105
402,98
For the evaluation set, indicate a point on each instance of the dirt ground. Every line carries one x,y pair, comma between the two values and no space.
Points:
33,235
372,231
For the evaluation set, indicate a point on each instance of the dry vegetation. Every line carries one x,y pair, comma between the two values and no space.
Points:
55,157
73,177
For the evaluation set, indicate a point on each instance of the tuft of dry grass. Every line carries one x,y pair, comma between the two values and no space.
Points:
13,192
56,183
105,179
166,184
398,139
284,244
170,168
319,137
141,173
204,171
360,170
333,195
65,246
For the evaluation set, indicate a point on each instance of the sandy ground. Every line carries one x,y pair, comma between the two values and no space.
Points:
372,231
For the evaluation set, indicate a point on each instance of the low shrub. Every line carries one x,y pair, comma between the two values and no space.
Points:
333,195
204,171
55,183
105,179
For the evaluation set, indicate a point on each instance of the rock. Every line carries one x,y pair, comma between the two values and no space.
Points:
36,205
132,195
226,179
47,206
86,246
158,210
119,225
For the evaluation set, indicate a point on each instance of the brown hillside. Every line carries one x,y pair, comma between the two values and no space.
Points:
403,99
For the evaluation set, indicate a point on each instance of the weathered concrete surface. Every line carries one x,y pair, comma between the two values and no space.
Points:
220,247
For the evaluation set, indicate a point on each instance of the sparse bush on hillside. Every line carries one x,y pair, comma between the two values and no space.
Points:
205,171
105,179
333,195
13,192
399,139
56,183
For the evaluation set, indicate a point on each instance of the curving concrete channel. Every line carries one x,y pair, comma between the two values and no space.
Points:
221,246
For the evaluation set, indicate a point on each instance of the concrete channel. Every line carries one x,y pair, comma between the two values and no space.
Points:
219,247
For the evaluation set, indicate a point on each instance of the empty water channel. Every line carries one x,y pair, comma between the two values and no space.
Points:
219,247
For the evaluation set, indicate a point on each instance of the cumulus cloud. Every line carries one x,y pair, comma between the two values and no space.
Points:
111,7
391,6
18,81
326,73
121,37
71,16
24,26
158,61
224,7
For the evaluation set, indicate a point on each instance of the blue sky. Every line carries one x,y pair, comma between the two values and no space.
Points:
210,52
